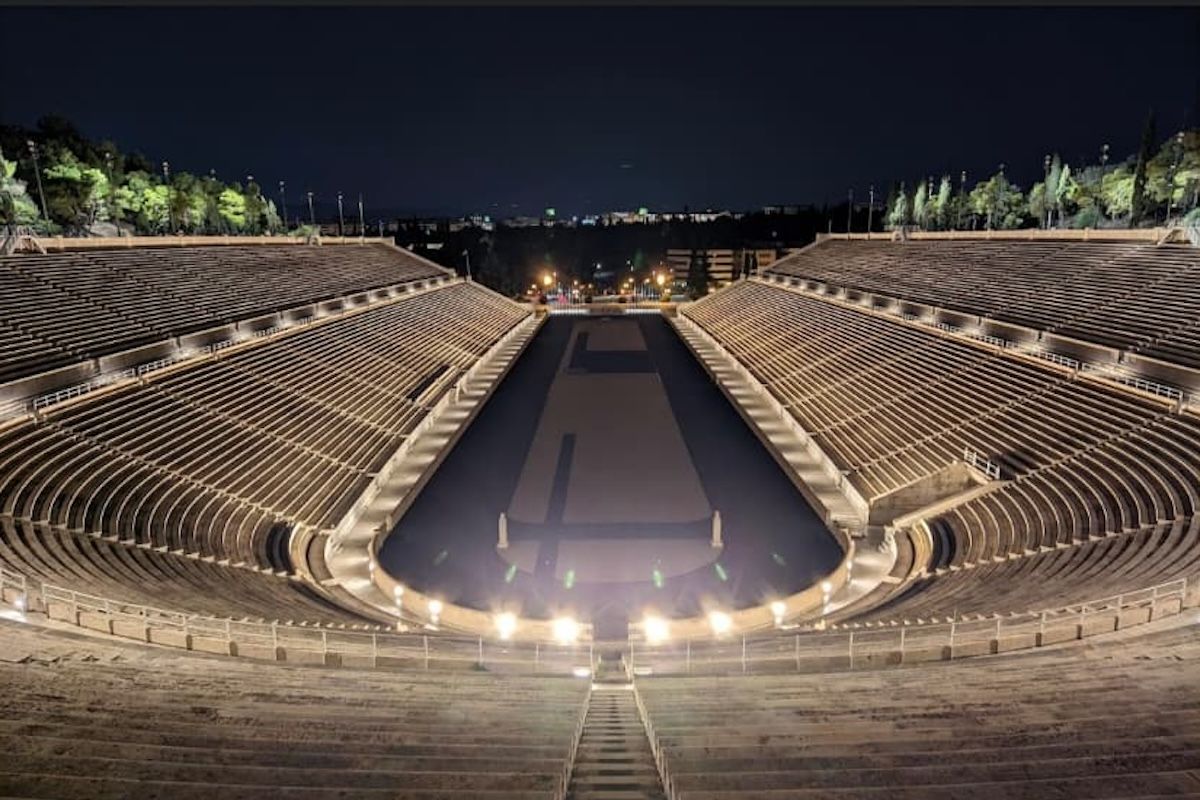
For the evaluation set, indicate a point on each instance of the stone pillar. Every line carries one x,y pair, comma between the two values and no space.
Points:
502,543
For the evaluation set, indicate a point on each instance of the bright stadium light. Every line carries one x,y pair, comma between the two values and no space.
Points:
826,587
435,610
566,630
778,609
656,630
506,625
398,595
720,622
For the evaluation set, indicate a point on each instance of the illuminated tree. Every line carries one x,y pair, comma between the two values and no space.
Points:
16,206
919,209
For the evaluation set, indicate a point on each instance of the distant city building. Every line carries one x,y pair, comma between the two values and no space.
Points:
724,265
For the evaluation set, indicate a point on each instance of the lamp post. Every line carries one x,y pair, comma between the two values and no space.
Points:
312,217
37,171
166,168
870,208
341,217
1046,189
362,227
112,191
215,208
283,205
258,194
928,202
1100,183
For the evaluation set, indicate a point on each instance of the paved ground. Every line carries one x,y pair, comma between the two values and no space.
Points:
608,447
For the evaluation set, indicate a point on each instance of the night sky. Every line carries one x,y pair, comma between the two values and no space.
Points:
506,112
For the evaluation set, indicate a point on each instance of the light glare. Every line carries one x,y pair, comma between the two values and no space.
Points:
566,630
656,630
720,622
506,625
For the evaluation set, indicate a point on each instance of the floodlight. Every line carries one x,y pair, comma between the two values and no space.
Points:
778,609
566,630
506,624
656,630
435,609
720,622
581,672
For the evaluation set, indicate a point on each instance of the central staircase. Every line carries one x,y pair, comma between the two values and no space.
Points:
614,760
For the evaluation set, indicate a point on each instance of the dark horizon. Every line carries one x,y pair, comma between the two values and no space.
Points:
507,112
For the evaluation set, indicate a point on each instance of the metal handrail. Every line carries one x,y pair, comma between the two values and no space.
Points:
792,645
660,760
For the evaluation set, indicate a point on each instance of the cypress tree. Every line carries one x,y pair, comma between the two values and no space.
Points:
1139,205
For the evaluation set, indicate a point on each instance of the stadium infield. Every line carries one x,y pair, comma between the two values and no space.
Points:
608,449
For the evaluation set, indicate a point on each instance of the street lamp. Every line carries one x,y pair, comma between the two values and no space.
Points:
341,217
283,205
870,208
312,218
37,171
166,168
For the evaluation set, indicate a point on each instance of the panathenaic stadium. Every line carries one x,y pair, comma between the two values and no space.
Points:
896,518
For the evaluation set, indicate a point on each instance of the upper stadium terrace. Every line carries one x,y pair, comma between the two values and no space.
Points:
1118,296
100,305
